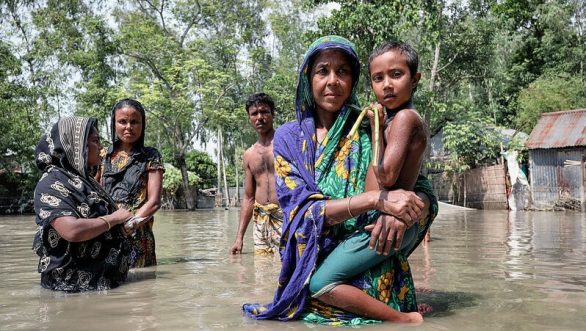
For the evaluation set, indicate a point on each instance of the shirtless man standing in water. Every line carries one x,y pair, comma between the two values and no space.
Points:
260,197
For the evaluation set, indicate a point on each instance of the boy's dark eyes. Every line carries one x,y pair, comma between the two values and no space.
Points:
393,74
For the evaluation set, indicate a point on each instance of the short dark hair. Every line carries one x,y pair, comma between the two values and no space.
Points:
260,98
407,50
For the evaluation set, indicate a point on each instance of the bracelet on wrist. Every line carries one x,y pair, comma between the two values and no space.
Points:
349,211
105,221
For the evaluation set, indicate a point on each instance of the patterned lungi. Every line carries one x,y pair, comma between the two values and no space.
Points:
268,221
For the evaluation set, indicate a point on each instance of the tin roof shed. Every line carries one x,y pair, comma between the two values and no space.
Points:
558,130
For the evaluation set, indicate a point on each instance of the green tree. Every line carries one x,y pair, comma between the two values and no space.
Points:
288,27
203,166
189,80
173,184
20,129
470,142
549,40
80,41
546,94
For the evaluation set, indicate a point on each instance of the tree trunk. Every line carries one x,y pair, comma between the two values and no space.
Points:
237,195
219,172
228,201
189,198
580,32
428,111
493,107
223,170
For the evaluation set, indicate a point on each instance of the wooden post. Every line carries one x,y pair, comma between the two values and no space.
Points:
583,188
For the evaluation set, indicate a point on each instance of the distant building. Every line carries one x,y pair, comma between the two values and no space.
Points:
557,150
483,187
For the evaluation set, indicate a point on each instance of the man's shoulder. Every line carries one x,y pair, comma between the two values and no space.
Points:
249,151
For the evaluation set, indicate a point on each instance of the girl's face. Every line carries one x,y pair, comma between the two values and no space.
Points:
128,125
93,148
331,80
391,79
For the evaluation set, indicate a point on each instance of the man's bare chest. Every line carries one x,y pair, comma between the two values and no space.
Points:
262,162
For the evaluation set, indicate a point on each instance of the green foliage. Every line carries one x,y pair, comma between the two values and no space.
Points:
471,141
193,63
19,123
549,93
517,144
201,164
371,23
287,26
172,179
82,43
548,38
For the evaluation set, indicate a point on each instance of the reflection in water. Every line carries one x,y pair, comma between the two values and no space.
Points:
483,270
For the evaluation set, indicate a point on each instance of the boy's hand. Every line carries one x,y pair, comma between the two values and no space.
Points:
402,204
386,233
380,112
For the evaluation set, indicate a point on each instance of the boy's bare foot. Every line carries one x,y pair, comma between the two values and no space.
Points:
414,318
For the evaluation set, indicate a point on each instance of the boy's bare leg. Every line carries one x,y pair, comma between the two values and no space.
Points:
354,300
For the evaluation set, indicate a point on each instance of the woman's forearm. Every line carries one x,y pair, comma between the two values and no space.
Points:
149,208
339,210
76,230
402,204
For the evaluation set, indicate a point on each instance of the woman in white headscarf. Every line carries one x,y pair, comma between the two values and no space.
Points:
81,236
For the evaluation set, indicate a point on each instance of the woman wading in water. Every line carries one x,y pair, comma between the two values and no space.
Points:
330,199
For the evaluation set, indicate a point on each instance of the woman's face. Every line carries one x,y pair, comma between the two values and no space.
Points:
331,80
128,125
93,148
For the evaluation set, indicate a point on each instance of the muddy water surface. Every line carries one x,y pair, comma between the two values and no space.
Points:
483,270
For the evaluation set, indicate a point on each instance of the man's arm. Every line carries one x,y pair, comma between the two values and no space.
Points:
247,205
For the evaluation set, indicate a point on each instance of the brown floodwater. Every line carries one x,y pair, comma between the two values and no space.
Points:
483,270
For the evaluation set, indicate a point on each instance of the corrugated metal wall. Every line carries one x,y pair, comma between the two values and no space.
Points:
550,180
